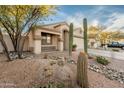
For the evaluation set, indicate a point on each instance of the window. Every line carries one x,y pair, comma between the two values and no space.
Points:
46,39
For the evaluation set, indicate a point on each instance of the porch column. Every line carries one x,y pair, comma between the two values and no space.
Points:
37,46
61,46
37,42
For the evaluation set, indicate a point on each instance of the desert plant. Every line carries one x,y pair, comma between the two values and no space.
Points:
102,60
85,34
74,47
82,66
19,20
116,50
50,84
70,38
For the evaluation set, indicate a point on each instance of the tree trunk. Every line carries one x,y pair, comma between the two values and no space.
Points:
4,46
21,46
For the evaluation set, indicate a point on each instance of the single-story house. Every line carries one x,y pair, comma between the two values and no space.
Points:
50,37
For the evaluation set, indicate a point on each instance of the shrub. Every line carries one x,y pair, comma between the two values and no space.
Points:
116,50
54,85
102,60
74,47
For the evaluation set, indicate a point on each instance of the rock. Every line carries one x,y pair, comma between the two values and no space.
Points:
30,57
97,70
13,55
60,63
110,73
52,62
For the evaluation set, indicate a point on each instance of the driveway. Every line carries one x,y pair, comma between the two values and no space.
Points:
105,53
115,63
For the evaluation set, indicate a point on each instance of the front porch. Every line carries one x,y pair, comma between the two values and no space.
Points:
46,40
46,48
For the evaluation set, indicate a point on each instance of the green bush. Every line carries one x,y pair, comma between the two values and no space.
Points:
102,60
116,50
50,85
54,85
74,46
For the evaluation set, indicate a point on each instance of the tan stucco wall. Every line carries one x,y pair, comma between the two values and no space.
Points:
10,46
31,42
79,42
78,32
49,26
59,28
78,39
8,42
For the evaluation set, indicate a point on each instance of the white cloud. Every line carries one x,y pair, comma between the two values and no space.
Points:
77,19
115,22
93,15
95,23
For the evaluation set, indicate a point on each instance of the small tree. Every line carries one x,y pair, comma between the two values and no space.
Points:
18,20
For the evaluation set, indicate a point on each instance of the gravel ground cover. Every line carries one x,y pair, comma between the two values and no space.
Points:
54,71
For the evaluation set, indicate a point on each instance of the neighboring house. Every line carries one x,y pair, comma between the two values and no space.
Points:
92,42
51,37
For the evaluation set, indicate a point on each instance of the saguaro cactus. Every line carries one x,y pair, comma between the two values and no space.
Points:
70,38
82,78
85,34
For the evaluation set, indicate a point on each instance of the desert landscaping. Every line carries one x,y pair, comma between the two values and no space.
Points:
49,70
79,52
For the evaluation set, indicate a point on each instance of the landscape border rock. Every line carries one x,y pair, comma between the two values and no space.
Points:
110,73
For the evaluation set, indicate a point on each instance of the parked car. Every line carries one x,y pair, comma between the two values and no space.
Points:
116,45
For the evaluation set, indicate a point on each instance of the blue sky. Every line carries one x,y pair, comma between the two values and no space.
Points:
110,16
